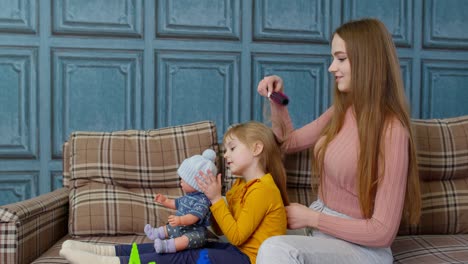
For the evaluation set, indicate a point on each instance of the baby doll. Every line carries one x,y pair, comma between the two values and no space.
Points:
188,227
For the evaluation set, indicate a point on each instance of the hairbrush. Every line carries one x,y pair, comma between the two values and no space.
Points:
279,98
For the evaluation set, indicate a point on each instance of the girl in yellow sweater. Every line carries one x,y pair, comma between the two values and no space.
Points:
252,212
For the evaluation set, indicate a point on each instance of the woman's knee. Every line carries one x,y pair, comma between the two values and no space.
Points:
274,245
273,250
273,241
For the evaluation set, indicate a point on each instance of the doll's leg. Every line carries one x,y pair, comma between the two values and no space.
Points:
196,238
153,233
171,245
181,243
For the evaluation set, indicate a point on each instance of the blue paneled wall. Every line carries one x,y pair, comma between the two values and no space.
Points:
106,65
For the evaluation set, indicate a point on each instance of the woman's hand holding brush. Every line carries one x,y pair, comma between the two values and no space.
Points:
279,98
272,88
270,84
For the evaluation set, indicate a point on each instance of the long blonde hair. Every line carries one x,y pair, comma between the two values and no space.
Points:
270,158
377,96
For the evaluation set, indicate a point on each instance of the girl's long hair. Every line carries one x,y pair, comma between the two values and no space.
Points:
270,158
377,96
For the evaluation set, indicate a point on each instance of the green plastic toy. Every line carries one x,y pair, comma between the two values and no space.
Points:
134,255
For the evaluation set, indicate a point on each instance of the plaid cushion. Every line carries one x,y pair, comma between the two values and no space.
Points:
299,170
303,196
114,176
30,227
431,249
8,236
66,164
302,184
444,209
105,209
442,148
137,158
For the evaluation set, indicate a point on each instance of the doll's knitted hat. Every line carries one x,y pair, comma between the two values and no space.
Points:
190,167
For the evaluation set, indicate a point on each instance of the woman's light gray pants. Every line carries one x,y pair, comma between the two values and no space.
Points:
318,247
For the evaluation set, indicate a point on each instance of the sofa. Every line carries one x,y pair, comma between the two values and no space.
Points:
110,178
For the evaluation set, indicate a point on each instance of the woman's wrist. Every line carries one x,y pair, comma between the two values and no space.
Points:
314,219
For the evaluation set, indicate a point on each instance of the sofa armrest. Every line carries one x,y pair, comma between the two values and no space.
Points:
30,227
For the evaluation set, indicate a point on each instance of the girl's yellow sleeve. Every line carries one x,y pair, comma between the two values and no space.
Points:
248,216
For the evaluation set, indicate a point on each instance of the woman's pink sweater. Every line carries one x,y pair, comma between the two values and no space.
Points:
339,191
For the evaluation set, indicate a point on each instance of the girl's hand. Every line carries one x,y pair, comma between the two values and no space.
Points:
160,198
300,216
174,220
270,84
210,185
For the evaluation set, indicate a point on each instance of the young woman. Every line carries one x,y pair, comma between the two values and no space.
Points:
364,156
253,211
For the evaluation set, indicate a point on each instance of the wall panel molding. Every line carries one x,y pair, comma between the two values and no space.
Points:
56,179
293,20
18,186
444,84
116,18
94,90
18,99
181,77
406,67
19,16
397,16
215,20
445,24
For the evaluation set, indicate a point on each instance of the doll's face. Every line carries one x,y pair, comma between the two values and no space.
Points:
186,187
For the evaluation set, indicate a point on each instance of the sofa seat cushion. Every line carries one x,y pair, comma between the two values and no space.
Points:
430,249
